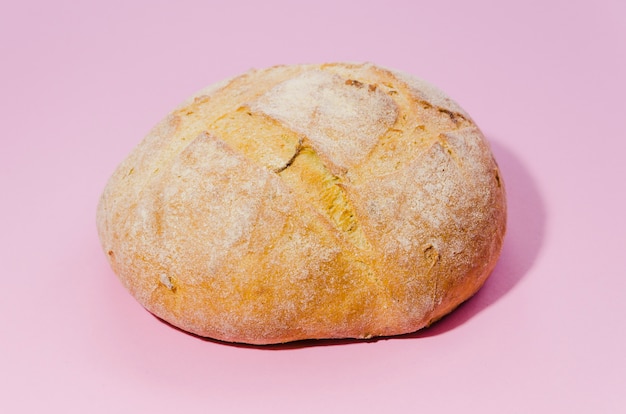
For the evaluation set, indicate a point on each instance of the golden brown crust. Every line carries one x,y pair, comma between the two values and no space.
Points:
312,201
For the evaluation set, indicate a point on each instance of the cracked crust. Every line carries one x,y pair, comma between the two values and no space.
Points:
311,201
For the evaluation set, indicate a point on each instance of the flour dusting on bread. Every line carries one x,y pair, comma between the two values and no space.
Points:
327,108
306,201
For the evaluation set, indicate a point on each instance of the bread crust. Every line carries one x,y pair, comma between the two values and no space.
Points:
307,201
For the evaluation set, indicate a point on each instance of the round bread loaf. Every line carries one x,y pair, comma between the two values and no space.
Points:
308,201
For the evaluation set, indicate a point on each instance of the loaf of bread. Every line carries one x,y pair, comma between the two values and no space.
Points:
306,201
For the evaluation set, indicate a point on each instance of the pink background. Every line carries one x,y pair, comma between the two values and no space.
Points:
81,84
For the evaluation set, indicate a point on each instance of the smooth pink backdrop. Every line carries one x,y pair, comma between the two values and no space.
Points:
82,82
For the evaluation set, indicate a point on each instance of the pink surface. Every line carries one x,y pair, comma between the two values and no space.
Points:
81,84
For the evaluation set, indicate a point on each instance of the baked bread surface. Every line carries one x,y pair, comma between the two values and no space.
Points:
308,201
